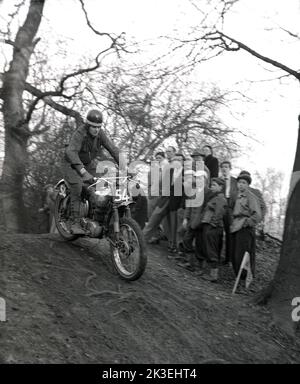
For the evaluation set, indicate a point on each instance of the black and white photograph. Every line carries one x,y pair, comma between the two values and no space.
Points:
149,185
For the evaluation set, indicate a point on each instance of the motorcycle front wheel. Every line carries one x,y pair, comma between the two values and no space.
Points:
129,251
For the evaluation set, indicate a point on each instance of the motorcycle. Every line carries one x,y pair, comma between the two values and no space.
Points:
105,214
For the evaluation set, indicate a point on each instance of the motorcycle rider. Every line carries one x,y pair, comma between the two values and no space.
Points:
86,143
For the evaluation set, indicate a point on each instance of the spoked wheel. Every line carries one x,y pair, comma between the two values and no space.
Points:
61,215
129,254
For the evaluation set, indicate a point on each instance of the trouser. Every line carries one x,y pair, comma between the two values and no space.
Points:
188,239
166,226
180,230
139,210
158,214
75,184
173,232
209,244
228,238
75,196
192,253
243,241
152,203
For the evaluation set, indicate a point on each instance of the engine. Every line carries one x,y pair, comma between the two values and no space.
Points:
91,227
84,208
100,204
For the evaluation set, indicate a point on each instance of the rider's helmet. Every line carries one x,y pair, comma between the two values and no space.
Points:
94,117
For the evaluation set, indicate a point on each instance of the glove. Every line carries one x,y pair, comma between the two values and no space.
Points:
86,176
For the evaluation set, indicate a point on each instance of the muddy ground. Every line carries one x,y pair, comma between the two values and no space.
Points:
65,304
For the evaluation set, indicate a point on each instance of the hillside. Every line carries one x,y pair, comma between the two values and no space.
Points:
65,304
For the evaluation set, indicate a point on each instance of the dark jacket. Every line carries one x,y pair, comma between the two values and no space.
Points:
83,148
260,200
193,213
246,212
214,210
212,164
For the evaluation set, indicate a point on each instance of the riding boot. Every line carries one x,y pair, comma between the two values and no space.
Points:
76,227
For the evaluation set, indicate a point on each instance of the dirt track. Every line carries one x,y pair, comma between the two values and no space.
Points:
65,304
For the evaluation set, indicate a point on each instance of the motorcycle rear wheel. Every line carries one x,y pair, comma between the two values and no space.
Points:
61,216
129,255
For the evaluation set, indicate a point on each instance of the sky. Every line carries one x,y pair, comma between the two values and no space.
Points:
271,116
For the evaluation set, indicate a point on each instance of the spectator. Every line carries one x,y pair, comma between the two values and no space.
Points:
199,156
168,203
170,153
246,215
49,207
166,222
139,210
209,236
230,192
153,197
161,209
192,215
176,198
259,197
211,162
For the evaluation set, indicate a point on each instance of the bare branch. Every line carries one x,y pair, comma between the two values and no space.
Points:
83,70
40,131
59,107
36,129
60,91
41,96
114,39
14,15
295,35
226,43
7,41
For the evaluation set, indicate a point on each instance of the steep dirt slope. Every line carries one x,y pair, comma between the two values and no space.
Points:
65,304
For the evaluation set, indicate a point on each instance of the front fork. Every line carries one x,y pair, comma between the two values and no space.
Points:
128,212
116,221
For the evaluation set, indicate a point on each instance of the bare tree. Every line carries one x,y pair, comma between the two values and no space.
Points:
16,128
147,110
23,101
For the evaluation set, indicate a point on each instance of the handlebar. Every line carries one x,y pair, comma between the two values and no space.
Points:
109,180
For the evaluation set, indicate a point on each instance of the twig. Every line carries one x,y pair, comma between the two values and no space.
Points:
104,292
119,312
89,278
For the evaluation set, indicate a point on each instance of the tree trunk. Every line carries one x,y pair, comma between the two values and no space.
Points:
286,283
16,128
12,184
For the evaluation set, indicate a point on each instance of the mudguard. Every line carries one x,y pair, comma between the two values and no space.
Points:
62,187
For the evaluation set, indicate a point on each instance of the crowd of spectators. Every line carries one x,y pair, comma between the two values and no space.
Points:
208,216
